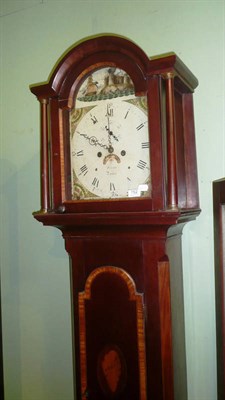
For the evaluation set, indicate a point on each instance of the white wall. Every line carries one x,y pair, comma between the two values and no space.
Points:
34,265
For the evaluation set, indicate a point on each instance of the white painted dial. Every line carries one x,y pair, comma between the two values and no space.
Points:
110,152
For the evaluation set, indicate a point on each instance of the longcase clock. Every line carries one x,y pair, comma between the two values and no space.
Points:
119,179
219,251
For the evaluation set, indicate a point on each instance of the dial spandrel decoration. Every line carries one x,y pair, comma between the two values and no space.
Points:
109,139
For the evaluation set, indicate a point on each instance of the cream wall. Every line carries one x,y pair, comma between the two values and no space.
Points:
34,265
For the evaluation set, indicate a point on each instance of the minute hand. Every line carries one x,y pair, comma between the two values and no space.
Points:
109,113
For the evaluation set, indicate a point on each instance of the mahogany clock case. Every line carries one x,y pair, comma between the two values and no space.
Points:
125,253
219,244
168,85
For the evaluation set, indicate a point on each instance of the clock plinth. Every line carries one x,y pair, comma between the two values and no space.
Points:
119,179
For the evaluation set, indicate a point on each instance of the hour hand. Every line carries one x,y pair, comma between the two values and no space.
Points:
110,133
93,141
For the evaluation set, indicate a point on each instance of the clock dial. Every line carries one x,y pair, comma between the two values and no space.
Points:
110,150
